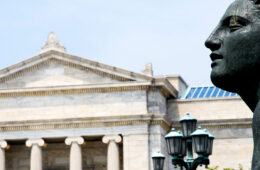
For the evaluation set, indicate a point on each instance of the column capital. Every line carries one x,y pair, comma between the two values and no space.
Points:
108,138
3,144
78,139
31,142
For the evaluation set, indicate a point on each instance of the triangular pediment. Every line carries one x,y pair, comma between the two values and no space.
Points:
55,68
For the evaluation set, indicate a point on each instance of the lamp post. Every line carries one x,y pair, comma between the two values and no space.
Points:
179,145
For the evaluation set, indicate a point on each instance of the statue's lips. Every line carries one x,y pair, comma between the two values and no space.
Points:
215,57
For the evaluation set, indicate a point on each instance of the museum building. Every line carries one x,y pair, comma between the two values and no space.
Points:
60,112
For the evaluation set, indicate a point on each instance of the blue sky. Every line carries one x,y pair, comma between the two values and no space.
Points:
123,33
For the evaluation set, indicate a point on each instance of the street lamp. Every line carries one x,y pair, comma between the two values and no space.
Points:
200,141
188,125
179,144
158,161
174,143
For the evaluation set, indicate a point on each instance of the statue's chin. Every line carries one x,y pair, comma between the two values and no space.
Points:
223,82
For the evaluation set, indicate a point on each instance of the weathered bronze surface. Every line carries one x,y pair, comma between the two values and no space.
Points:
235,46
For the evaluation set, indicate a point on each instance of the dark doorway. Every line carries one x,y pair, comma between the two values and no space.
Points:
56,168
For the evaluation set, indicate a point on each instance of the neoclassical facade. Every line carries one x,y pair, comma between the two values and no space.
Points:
60,112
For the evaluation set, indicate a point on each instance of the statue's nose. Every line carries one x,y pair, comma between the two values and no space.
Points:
213,43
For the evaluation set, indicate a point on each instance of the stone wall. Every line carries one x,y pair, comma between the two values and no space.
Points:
156,102
136,151
229,153
73,106
178,83
209,109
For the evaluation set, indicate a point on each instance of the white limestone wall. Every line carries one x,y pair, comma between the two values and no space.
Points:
229,153
139,147
156,102
210,109
136,151
178,82
73,106
232,146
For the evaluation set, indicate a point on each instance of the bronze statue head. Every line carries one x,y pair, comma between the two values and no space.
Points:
235,46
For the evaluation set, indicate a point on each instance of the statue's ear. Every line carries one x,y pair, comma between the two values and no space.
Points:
256,1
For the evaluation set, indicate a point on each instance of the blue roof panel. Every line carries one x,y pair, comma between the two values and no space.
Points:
227,94
206,92
196,93
233,94
215,93
209,92
191,91
221,93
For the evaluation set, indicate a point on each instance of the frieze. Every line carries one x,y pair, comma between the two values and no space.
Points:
157,119
68,91
81,89
86,123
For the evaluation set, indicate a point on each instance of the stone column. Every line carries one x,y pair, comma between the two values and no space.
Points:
113,162
75,152
3,146
36,153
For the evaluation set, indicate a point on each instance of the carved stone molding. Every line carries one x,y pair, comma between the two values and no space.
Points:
70,91
52,43
74,60
244,123
31,142
106,139
51,60
147,119
79,140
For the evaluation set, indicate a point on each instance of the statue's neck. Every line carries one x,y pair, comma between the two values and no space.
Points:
251,96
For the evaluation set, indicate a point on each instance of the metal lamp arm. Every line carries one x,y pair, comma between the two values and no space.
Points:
180,162
199,161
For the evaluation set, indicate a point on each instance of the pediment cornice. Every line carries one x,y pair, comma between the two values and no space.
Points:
18,69
127,80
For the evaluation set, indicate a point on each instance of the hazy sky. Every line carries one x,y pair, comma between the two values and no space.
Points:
122,33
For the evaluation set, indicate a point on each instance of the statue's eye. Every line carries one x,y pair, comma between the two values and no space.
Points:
234,27
236,23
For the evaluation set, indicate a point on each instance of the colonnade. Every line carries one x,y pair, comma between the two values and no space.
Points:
75,152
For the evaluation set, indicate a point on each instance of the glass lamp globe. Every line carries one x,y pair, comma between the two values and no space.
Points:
188,124
158,161
174,141
210,144
183,147
200,141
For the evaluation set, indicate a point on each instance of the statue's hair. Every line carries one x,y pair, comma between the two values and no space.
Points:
257,4
256,1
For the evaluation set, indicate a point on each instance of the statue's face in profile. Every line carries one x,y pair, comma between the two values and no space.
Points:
235,46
